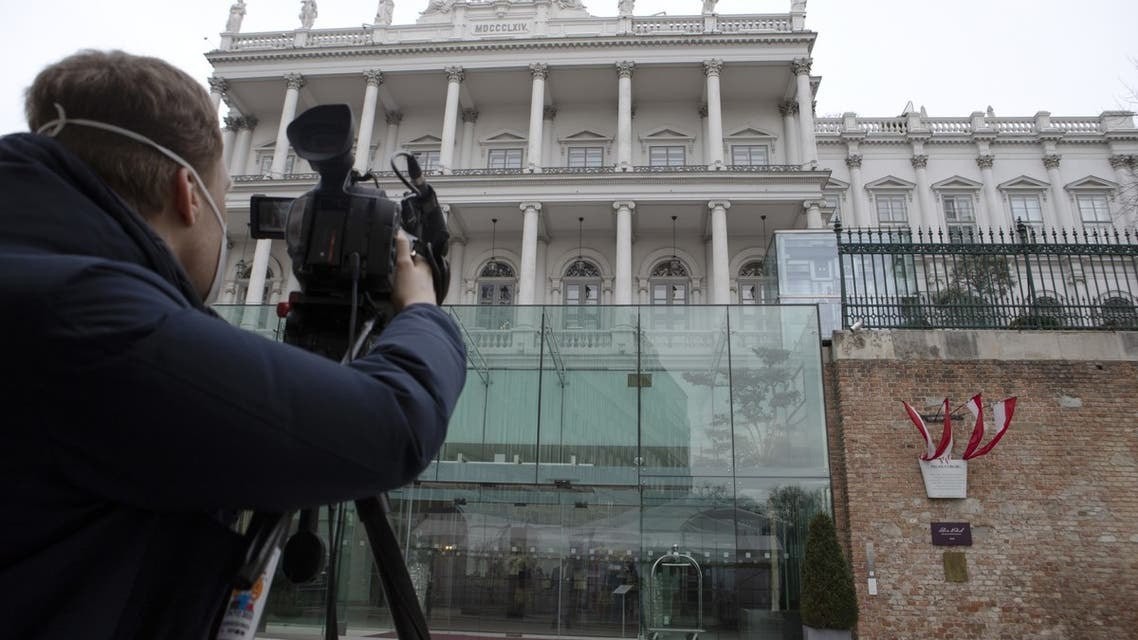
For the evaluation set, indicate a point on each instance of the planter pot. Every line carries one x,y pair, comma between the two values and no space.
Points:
810,633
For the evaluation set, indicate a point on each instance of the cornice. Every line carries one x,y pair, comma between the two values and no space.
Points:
592,42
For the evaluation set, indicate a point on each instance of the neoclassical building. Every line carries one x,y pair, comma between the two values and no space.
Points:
633,182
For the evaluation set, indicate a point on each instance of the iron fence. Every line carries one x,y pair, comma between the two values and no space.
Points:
1023,278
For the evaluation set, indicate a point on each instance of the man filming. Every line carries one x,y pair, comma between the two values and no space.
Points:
136,422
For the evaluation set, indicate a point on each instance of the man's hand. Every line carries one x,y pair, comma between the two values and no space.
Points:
413,281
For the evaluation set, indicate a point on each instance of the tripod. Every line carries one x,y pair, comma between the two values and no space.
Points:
317,324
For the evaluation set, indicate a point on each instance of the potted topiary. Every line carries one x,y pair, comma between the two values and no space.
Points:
828,604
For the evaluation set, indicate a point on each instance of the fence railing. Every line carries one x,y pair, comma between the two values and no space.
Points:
1022,278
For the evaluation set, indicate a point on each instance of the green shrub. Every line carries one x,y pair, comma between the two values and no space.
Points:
828,597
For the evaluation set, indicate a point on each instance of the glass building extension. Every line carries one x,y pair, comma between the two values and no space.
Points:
589,443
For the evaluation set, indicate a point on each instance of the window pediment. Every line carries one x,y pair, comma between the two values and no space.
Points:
1023,183
423,143
890,183
584,137
957,183
1091,183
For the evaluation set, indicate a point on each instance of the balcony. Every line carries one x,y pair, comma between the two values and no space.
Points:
725,172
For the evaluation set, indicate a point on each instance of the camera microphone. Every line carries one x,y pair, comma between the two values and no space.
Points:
304,554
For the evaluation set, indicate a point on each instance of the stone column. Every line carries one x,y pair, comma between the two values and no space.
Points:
528,269
705,133
624,117
1124,167
228,137
469,119
928,216
1063,215
541,283
711,69
809,150
288,112
374,78
256,292
788,109
861,217
455,77
242,145
721,282
622,288
539,72
391,140
218,88
709,257
548,145
456,254
994,216
813,214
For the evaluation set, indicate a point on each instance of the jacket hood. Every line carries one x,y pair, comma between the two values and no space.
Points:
54,202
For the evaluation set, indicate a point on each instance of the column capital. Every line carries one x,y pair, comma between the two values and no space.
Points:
919,161
549,113
1051,161
249,122
295,81
624,204
719,204
985,161
470,115
218,85
703,111
1119,161
853,161
455,74
809,205
526,206
393,117
233,123
374,77
624,68
788,107
539,70
801,66
712,67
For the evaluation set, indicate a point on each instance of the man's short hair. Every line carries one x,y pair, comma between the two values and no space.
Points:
145,95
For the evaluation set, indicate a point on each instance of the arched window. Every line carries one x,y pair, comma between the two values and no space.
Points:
751,283
243,270
670,284
582,286
1118,312
497,284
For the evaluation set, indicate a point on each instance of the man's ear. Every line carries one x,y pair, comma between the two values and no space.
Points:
185,196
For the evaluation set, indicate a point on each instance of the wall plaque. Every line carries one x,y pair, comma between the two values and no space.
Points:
952,534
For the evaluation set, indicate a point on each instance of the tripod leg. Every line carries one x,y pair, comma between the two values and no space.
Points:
410,624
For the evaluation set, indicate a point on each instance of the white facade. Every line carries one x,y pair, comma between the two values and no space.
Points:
630,141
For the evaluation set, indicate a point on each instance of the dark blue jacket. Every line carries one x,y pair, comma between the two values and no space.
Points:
131,417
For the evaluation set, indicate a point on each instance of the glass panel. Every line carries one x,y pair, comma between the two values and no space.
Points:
685,425
777,417
589,397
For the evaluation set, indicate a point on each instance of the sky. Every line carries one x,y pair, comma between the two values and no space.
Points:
1017,56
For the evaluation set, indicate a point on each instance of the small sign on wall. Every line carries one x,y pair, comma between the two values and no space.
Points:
951,534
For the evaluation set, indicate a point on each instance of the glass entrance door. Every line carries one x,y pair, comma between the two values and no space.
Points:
524,559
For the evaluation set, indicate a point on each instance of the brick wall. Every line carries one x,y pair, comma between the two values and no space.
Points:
1053,508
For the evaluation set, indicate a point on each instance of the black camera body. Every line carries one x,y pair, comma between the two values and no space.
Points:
341,235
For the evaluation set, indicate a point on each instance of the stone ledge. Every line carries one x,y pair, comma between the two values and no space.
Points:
967,344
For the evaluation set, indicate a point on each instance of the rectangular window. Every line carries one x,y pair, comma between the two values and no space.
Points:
505,159
267,163
1094,211
586,156
1028,209
669,156
892,210
750,155
428,160
960,216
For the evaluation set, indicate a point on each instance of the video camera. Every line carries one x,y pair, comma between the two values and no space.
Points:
341,234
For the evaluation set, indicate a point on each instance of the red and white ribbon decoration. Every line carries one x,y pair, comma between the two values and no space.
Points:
1002,411
942,450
